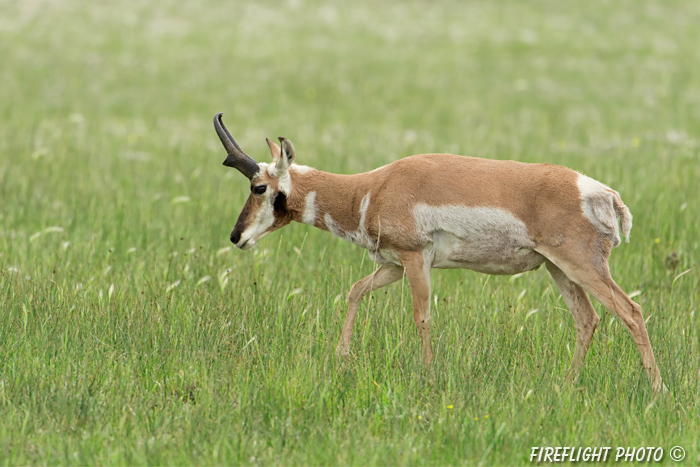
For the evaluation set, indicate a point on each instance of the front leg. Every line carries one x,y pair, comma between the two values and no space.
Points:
383,276
418,274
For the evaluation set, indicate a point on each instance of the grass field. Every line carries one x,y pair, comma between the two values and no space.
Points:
131,332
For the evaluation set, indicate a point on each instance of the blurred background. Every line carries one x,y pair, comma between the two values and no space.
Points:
122,302
105,101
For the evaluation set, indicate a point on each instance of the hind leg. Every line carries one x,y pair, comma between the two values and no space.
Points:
605,290
585,317
594,276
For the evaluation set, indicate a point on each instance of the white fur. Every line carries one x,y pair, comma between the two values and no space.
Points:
309,216
257,229
271,169
489,240
385,256
597,204
264,167
364,204
285,183
359,236
285,180
300,169
265,216
587,186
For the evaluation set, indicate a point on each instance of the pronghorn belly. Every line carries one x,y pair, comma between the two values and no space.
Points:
492,255
488,255
484,239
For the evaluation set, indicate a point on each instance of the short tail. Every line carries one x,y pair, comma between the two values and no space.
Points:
623,216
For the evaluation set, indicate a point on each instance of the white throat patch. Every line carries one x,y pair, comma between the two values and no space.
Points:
309,216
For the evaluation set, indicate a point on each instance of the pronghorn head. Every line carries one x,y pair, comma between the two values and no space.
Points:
270,185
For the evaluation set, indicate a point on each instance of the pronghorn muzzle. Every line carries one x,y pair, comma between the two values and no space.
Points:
241,225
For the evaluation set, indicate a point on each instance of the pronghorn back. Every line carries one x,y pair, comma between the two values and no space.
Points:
406,203
446,211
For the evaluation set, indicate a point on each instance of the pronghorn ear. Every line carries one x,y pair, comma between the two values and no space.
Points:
287,155
274,149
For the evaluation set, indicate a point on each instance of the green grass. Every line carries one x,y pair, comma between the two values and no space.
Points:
114,349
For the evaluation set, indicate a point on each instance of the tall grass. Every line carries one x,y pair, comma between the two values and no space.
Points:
132,333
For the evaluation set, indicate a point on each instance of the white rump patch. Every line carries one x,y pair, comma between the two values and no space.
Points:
597,204
309,216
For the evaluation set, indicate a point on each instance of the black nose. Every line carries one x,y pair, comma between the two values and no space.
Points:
235,237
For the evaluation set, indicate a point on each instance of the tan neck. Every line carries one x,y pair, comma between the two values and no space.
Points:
317,196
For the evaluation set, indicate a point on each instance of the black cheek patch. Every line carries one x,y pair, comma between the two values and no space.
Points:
280,204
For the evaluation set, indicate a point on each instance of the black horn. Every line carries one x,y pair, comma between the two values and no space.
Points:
236,158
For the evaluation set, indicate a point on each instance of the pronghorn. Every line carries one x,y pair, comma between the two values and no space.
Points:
447,211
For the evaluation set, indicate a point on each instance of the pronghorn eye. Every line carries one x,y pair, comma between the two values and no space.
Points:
260,189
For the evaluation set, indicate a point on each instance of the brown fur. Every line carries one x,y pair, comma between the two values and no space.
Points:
544,197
